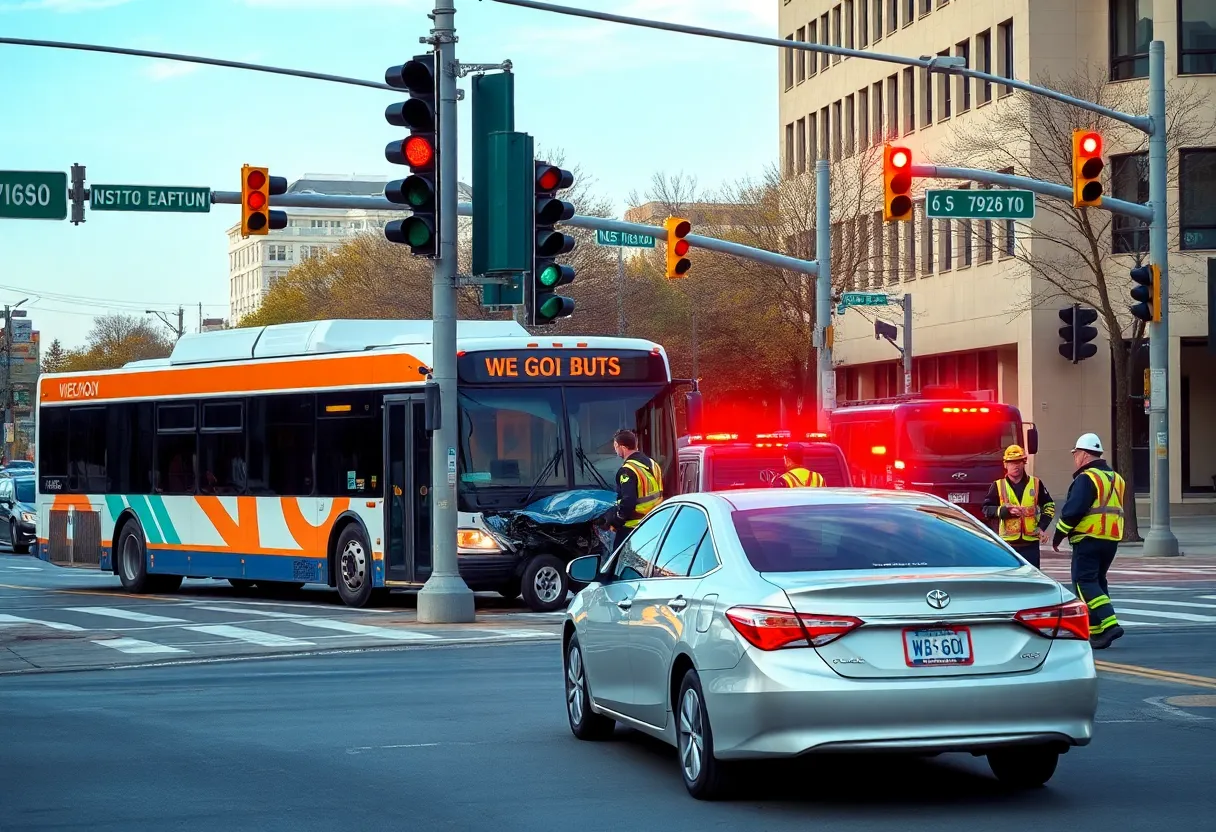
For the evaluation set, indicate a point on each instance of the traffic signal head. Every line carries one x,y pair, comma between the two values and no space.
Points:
678,263
1077,333
419,151
897,184
1087,168
257,186
543,304
1147,293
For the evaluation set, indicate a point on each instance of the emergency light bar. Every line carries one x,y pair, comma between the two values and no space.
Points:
774,439
965,410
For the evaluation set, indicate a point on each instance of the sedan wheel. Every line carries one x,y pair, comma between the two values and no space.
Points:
1024,768
584,723
704,776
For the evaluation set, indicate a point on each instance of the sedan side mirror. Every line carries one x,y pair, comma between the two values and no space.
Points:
585,570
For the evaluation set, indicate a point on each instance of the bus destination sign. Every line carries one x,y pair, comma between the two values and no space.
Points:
532,366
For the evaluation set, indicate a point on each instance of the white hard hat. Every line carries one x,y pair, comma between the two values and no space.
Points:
1089,442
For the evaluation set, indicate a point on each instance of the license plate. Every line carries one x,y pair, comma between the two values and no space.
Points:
942,645
960,497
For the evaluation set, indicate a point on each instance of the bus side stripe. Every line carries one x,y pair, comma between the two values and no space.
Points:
116,505
139,504
162,517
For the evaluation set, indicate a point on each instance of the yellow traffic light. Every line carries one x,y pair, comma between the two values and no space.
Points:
897,184
677,247
255,201
1087,168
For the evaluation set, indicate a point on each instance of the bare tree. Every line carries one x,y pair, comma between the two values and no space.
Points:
1068,251
115,340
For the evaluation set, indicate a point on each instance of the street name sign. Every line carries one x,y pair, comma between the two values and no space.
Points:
967,204
163,198
863,299
622,238
33,195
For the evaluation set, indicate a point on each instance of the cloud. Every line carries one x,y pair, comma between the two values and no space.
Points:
65,6
164,70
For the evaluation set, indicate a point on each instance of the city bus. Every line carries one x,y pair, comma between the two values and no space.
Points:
940,441
300,453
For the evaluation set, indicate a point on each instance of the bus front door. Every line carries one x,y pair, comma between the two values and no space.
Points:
407,484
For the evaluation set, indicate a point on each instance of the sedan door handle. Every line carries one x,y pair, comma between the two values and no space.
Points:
678,603
625,603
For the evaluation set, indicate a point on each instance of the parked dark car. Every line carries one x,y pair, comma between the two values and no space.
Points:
18,512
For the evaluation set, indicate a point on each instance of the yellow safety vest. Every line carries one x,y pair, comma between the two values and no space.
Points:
1014,529
802,478
1105,518
650,489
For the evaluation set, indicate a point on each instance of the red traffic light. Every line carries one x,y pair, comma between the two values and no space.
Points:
549,179
900,158
257,200
256,180
681,248
418,151
1091,144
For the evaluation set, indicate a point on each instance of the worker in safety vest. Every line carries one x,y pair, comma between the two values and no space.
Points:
1092,519
1021,505
639,486
795,475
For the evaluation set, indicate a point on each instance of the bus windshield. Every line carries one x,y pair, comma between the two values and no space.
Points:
556,437
929,435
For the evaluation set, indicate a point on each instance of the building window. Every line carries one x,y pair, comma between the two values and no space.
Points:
892,118
947,102
926,251
1131,30
893,16
983,48
825,134
1197,175
878,4
910,241
836,36
789,166
1009,238
812,58
789,64
812,134
985,235
926,83
877,120
926,6
863,23
800,137
1197,37
909,101
863,118
1005,32
850,126
826,34
947,243
963,50
801,57
909,12
837,130
876,236
1129,181
964,239
850,24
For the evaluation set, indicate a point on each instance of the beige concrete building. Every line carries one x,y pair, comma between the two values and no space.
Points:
980,318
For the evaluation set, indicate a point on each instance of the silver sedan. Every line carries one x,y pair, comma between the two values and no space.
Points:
773,623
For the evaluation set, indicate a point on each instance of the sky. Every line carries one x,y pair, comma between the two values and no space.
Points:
621,102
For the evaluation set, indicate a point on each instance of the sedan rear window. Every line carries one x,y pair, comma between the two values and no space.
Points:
865,536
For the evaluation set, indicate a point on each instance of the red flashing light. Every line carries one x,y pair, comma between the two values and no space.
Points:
256,180
1091,144
257,200
418,151
899,159
878,450
550,179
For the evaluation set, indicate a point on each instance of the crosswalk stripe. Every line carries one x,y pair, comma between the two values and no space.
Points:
114,612
54,625
1162,603
363,629
1177,616
134,645
251,636
259,613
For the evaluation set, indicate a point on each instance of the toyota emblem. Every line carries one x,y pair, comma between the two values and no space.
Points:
961,475
938,599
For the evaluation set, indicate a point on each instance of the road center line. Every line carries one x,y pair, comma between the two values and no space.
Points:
1158,675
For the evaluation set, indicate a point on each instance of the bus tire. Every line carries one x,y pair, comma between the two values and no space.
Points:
545,584
353,567
131,560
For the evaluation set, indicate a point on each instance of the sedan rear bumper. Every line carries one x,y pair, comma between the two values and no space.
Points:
790,702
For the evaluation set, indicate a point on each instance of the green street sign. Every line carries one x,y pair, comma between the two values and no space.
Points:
863,299
966,204
622,238
158,198
33,195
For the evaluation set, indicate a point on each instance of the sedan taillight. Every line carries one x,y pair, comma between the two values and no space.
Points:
1069,620
773,629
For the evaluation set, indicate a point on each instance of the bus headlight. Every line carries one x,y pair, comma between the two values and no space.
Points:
476,540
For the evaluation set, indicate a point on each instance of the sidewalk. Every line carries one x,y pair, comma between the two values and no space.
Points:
1196,541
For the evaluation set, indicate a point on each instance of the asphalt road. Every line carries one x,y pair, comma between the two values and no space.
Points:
476,737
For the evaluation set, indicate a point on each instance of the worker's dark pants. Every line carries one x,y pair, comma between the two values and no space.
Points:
1028,550
1091,560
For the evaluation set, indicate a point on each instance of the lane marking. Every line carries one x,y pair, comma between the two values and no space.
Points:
251,636
1173,616
54,625
115,612
134,645
1167,603
363,630
1164,704
23,568
1156,675
261,613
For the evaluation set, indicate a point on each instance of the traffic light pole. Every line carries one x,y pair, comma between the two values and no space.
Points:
1160,540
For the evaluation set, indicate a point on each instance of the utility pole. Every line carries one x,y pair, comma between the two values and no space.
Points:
907,304
178,330
620,293
823,292
445,598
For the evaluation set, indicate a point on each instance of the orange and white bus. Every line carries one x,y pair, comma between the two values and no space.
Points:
299,453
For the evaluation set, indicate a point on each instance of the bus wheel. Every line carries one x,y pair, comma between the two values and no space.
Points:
354,567
545,584
132,564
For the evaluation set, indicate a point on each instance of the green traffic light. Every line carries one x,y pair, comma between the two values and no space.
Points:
416,232
556,306
551,275
417,192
